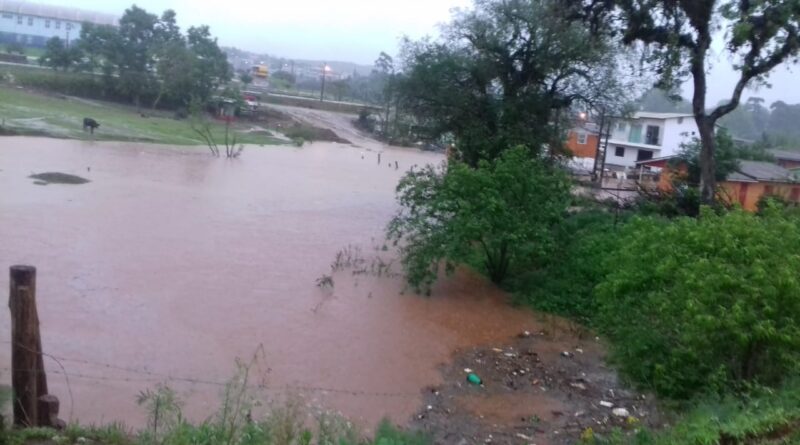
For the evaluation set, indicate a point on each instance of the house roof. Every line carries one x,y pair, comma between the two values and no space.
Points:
22,7
785,155
659,159
750,171
652,115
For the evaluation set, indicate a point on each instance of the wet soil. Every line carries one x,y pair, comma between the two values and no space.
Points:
533,391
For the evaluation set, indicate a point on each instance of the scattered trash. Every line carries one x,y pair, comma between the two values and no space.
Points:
474,379
580,413
524,437
579,350
525,334
497,350
509,354
468,370
567,354
620,412
606,404
429,407
578,385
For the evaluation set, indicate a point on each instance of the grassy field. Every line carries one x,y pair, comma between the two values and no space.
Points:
29,113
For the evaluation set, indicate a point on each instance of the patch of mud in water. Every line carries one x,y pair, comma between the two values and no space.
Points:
57,178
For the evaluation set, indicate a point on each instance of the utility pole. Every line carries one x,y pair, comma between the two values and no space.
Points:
605,152
599,141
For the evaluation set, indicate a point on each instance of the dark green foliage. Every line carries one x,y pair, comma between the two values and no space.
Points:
498,217
146,58
500,75
58,55
699,305
565,284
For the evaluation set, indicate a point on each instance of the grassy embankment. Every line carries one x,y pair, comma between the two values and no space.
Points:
25,112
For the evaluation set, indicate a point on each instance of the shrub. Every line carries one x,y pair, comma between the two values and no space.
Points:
704,304
764,417
498,217
565,285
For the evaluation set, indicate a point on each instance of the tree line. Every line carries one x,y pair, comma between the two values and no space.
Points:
146,59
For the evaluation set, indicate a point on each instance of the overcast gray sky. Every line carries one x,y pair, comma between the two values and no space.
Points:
357,30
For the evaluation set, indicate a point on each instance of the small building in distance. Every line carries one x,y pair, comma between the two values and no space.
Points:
786,159
752,181
33,24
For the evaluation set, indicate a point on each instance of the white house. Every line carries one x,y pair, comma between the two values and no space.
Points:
33,24
647,135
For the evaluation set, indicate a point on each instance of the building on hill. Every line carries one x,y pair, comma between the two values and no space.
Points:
33,24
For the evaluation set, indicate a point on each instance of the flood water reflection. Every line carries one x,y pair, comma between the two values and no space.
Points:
170,264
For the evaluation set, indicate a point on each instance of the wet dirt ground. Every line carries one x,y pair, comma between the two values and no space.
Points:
545,387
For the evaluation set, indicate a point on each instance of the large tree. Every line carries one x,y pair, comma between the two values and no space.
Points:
758,34
502,74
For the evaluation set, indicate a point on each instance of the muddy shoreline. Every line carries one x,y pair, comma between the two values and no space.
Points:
538,388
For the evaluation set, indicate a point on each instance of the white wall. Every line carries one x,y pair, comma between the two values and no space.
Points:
676,133
35,30
631,154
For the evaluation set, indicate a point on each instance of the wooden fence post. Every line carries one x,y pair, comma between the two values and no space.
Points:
27,375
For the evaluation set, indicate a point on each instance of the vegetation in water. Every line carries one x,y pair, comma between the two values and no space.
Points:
499,217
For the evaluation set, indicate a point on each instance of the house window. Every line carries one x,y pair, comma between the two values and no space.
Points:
635,135
795,195
619,152
19,20
69,26
47,23
651,137
8,16
680,120
58,24
768,190
30,21
644,155
621,126
582,138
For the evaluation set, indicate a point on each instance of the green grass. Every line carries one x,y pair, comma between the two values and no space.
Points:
29,113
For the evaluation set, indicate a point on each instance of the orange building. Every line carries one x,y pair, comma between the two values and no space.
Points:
582,142
755,179
746,186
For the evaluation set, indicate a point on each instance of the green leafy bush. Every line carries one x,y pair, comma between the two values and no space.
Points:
565,285
500,215
763,417
704,304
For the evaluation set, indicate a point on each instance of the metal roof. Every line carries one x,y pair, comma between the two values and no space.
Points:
650,115
785,155
22,7
762,171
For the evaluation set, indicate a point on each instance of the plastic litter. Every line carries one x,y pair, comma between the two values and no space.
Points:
474,379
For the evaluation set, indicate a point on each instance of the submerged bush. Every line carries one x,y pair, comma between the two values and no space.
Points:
498,217
704,304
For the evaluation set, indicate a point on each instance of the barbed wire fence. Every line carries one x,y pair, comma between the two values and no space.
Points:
147,376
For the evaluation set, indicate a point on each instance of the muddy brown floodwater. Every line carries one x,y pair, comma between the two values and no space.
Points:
169,265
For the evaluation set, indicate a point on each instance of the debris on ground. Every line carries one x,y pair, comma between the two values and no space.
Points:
529,394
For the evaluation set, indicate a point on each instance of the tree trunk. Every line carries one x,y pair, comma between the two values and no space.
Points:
705,124
708,180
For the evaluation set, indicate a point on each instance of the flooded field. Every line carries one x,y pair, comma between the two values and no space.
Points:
170,264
